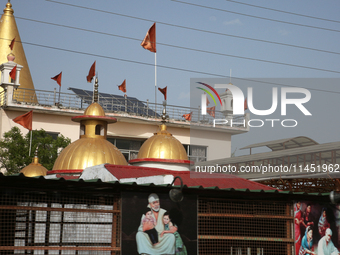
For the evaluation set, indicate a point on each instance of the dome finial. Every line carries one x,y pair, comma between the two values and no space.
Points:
95,93
165,117
9,8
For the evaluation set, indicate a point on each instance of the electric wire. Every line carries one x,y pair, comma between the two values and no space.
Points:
170,67
190,49
196,29
286,12
252,16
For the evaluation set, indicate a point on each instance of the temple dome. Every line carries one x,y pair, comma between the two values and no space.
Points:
162,145
92,148
34,169
95,109
87,152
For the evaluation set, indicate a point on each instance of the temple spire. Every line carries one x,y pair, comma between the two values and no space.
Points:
9,31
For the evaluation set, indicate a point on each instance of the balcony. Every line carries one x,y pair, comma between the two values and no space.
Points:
113,104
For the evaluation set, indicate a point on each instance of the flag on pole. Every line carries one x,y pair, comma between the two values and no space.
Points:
57,78
245,104
12,44
187,116
211,111
92,72
13,73
149,42
122,87
25,120
163,91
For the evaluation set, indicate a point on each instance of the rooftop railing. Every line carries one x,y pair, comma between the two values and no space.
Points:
112,104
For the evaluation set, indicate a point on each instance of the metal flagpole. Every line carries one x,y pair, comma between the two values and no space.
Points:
155,84
59,95
29,154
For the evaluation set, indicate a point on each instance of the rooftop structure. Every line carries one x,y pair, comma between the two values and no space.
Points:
296,164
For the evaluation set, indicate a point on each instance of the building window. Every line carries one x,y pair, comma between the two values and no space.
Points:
128,147
82,129
53,134
196,153
99,130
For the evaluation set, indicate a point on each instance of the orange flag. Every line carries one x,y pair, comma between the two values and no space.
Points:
25,120
12,44
187,116
122,87
245,104
163,91
13,73
57,78
207,100
149,42
92,72
211,111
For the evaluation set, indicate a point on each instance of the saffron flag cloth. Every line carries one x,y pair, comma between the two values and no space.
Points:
122,87
163,91
57,78
92,72
13,73
211,111
245,104
149,42
187,116
11,45
25,120
207,100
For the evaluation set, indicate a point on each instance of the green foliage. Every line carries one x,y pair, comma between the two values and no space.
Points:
14,149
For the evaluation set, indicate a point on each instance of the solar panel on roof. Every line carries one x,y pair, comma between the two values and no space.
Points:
111,102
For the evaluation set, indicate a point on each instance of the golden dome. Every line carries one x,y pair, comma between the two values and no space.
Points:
9,31
94,109
87,152
34,169
92,148
162,145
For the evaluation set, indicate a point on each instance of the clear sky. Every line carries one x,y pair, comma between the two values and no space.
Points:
283,39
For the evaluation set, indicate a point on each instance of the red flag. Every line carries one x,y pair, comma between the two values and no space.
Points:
187,116
245,104
211,111
163,91
12,44
149,42
25,120
13,73
122,87
57,78
92,72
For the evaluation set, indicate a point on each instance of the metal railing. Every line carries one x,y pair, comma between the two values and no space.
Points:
112,105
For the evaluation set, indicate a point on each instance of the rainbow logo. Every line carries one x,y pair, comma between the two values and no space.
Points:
209,93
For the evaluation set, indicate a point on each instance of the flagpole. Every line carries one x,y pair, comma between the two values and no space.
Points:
29,154
59,96
155,84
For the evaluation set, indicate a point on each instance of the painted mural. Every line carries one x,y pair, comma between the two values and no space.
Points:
153,224
317,228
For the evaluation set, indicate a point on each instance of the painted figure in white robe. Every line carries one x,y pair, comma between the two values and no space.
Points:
326,246
166,243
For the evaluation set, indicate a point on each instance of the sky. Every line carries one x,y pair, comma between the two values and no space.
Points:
283,41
